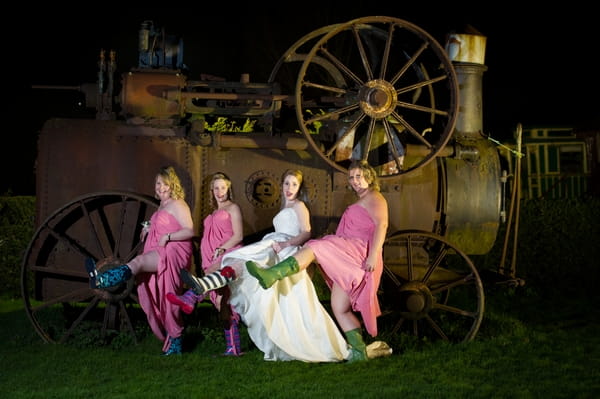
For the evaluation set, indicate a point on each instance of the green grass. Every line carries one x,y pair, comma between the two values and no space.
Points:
526,348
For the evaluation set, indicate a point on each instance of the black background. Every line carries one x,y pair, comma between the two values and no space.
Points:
542,62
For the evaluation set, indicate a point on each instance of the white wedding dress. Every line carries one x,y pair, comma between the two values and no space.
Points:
286,321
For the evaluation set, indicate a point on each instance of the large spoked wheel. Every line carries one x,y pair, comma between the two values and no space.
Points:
429,289
58,299
393,103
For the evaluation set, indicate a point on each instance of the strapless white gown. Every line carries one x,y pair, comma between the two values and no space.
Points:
286,321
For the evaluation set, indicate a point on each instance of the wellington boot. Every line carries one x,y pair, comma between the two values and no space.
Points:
113,277
267,277
358,349
210,282
175,347
232,340
187,301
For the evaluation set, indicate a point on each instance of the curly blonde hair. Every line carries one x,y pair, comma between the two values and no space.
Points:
369,173
171,179
219,176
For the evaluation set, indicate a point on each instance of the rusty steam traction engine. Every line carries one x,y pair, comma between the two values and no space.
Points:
377,88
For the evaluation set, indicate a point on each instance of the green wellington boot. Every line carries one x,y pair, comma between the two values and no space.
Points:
267,277
358,350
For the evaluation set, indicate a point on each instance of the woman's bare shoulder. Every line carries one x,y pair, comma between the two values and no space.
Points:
233,208
300,206
374,199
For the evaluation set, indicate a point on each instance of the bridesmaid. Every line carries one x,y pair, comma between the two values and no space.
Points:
223,232
167,250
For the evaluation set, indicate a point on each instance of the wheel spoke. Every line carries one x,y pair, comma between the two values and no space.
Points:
408,64
455,310
78,295
92,229
412,130
435,263
393,144
419,85
343,137
436,328
368,139
459,281
69,241
79,319
332,114
386,52
363,54
343,68
127,320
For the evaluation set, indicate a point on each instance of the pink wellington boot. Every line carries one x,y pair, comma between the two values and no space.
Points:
187,301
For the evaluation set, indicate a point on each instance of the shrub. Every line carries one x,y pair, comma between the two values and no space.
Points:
17,219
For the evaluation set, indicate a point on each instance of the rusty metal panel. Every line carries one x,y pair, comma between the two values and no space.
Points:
256,177
144,94
77,157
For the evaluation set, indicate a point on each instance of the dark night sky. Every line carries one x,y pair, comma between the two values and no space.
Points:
542,67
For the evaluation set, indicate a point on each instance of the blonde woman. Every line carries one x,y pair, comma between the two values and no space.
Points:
167,251
222,233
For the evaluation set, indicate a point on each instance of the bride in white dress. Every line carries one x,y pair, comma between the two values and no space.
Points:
286,321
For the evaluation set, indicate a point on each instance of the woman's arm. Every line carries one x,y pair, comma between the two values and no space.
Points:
181,212
378,209
236,225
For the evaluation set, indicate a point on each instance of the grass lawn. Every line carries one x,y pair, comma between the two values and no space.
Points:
526,348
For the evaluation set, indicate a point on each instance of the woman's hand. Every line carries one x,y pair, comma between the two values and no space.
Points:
145,230
370,263
164,239
218,253
278,246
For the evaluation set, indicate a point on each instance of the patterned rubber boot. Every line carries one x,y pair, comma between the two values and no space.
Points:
358,349
210,282
232,339
90,268
187,301
175,347
268,277
113,277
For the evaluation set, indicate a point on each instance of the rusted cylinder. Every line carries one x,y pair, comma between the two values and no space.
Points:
468,54
469,122
175,94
